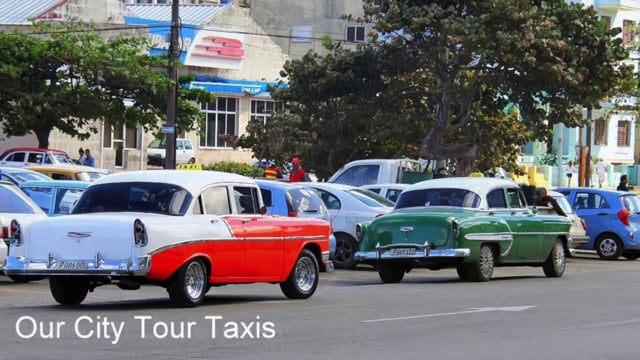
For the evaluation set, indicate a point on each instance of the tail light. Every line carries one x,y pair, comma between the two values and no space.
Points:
358,232
5,232
292,214
15,233
623,215
139,233
584,224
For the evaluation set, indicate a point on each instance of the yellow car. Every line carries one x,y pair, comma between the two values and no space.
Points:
70,172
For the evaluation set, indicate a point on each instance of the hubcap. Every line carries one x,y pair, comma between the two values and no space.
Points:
486,262
195,280
608,247
305,274
559,258
343,251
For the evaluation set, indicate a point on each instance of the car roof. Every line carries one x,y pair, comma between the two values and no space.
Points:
326,185
386,185
65,167
34,149
475,184
278,184
56,183
595,190
191,180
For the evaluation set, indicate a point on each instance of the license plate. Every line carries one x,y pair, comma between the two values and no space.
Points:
403,251
73,265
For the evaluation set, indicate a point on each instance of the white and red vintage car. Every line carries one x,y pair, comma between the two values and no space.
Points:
180,229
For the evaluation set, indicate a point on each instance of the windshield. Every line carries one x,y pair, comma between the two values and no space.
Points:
438,197
22,176
631,203
305,201
157,144
157,198
63,158
16,202
369,198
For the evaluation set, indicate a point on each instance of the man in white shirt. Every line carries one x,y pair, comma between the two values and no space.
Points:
601,170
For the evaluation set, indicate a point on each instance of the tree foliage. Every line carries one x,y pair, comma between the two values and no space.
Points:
67,76
442,77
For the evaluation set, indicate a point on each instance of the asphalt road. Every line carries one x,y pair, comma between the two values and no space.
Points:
590,313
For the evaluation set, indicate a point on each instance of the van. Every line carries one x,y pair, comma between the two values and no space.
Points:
156,154
380,171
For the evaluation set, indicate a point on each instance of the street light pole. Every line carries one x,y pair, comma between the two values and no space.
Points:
172,99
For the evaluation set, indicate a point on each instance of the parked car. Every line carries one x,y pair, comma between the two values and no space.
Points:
555,203
70,172
348,206
613,220
472,224
55,197
379,171
295,200
25,156
156,152
18,175
391,190
15,204
180,229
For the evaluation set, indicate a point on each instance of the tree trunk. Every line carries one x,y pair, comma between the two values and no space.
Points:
43,137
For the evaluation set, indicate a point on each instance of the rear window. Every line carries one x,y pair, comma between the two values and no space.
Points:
359,175
438,197
631,203
369,198
305,201
13,202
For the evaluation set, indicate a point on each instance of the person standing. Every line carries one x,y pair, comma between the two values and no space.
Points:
89,160
624,180
601,170
82,157
297,173
571,169
271,171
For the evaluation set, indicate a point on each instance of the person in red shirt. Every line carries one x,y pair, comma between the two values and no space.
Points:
297,173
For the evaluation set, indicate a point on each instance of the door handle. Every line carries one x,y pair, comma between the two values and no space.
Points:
602,214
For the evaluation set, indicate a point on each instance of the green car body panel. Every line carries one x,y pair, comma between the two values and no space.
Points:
437,237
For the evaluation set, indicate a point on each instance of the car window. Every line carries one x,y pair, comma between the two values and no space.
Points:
564,204
157,144
392,194
61,176
267,197
34,158
514,198
496,200
188,145
47,159
11,202
375,190
590,201
66,199
369,198
40,194
161,198
216,200
16,156
631,203
329,200
246,200
179,145
304,200
359,175
61,158
438,197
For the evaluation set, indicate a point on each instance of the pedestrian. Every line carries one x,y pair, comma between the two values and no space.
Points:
601,170
297,173
82,157
571,169
624,180
271,171
89,160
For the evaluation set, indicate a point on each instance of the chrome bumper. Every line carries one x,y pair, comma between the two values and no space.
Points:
410,251
134,266
328,264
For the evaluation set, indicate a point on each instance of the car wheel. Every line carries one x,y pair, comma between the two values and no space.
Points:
188,285
68,291
631,255
25,278
463,274
390,273
192,161
483,269
609,246
346,248
556,262
303,279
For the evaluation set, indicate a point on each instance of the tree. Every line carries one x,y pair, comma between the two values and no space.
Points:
67,77
469,60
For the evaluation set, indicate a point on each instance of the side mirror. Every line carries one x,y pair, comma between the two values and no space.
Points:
263,210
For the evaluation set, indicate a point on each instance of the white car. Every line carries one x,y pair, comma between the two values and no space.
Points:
348,206
156,152
184,230
390,191
15,204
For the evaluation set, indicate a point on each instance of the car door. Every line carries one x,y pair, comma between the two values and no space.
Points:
17,158
596,212
180,152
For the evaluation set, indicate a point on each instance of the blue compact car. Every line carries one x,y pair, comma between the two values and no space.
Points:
286,199
55,197
612,218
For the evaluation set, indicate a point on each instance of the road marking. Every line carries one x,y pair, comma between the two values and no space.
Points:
470,311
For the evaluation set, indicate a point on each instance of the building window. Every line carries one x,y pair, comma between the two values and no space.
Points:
355,33
627,31
220,119
302,33
262,110
600,132
607,21
624,133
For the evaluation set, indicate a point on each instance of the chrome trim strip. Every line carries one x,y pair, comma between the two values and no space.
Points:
430,254
189,242
136,266
490,237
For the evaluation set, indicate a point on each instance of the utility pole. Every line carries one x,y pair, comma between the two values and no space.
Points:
172,99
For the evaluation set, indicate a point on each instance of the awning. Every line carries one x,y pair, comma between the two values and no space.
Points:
230,86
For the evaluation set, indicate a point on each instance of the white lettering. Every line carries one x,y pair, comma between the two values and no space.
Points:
142,319
76,327
213,324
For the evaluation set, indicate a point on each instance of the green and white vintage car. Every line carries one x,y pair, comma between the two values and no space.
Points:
472,224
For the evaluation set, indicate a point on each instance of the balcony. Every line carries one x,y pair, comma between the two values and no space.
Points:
617,5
